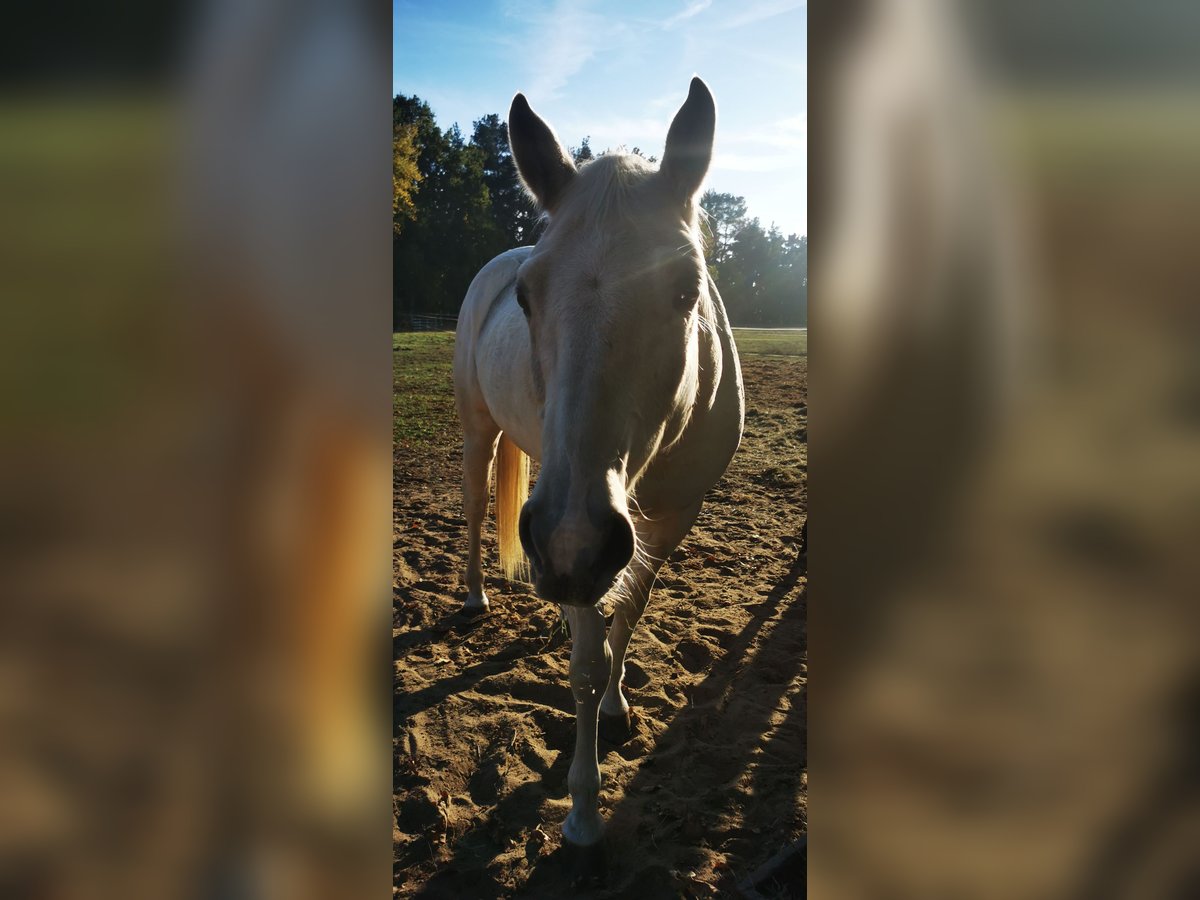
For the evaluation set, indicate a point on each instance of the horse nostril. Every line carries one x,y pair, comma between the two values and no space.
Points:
616,550
525,531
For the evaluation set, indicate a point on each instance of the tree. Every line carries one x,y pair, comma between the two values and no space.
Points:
406,176
795,252
583,152
740,276
784,292
428,137
512,211
762,276
458,203
726,217
452,232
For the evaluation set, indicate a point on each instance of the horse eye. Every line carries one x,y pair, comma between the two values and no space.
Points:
686,299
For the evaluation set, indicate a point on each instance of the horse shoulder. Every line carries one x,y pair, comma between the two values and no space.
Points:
694,463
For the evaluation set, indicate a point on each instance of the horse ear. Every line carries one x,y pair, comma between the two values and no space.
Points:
541,161
690,142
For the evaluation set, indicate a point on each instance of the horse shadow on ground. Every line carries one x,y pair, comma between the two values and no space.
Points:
775,632
459,624
409,704
730,761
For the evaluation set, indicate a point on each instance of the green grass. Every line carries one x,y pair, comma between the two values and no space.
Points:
422,388
771,341
423,413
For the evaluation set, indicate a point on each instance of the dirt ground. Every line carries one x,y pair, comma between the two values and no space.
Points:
712,784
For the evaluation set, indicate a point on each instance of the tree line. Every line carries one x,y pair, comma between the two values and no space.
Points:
457,202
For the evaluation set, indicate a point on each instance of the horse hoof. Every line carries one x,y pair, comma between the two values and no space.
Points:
616,729
473,612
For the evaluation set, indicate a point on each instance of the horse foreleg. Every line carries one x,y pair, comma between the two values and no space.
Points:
658,538
591,661
478,452
614,708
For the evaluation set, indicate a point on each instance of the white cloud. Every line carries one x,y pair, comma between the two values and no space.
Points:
561,38
784,140
692,9
766,9
752,162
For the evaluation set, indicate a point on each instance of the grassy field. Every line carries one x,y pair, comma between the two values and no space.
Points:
422,390
423,395
771,341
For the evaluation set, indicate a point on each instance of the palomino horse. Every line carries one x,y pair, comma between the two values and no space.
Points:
604,352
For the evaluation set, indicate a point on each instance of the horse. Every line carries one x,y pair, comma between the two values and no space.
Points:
604,352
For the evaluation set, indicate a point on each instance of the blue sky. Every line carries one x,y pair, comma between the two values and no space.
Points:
617,70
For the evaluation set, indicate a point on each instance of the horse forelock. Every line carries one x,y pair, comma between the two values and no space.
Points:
612,190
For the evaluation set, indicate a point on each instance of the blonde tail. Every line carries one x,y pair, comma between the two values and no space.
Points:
512,489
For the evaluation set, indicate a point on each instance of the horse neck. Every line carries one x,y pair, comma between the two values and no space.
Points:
715,344
710,360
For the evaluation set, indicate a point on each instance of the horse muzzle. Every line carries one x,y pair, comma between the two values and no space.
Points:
575,559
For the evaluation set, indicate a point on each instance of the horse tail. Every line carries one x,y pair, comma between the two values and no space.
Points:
512,489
